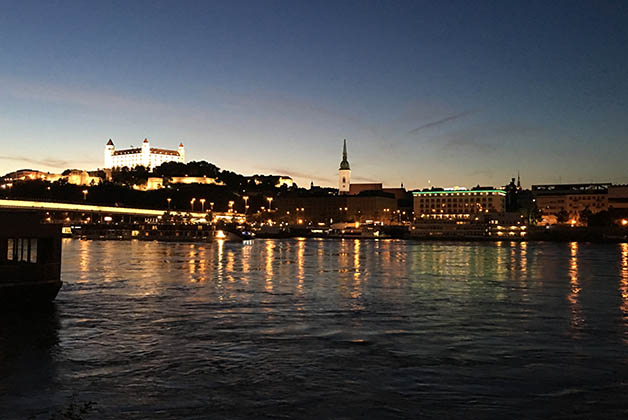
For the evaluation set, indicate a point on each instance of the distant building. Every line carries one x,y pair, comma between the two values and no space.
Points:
157,183
149,157
344,173
567,201
194,180
458,203
26,175
74,176
337,208
481,225
78,177
284,181
479,212
275,180
355,189
618,197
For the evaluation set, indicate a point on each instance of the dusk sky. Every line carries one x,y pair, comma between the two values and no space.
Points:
452,93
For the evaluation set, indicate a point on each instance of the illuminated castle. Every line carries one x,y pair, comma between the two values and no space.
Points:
149,157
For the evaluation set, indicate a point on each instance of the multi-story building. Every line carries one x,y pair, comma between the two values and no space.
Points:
570,200
458,203
337,208
463,213
149,157
618,197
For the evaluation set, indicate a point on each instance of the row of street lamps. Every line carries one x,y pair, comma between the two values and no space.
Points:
231,203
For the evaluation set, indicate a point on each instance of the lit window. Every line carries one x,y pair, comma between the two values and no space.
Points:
10,249
33,250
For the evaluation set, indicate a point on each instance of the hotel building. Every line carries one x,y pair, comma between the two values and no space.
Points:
458,203
462,213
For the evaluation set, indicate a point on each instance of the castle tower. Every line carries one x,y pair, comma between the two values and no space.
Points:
181,151
109,149
344,173
146,154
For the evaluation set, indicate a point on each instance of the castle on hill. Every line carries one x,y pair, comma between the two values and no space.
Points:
149,157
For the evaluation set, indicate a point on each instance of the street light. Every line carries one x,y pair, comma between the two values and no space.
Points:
211,206
85,195
246,200
231,206
270,200
203,205
168,200
192,203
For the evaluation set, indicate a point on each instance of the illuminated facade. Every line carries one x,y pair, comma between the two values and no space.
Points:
570,200
75,176
458,203
344,173
149,157
462,213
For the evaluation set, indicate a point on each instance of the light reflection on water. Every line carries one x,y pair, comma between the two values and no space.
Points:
623,286
326,329
577,319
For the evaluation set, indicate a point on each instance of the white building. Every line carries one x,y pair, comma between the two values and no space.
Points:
149,157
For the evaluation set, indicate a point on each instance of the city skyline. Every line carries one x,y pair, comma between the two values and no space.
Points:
453,94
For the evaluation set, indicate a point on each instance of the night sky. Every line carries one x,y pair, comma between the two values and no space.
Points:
441,93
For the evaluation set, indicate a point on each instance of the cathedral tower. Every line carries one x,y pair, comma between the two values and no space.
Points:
344,173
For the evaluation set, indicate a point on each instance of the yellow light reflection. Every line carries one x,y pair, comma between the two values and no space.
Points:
219,260
270,247
246,261
230,266
577,319
191,263
202,264
524,257
300,265
623,287
356,293
356,260
84,263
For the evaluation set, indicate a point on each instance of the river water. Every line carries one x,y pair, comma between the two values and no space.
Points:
320,329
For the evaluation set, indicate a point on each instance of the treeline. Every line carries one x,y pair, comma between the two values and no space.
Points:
235,181
119,190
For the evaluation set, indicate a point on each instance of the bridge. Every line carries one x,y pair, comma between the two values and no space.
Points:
90,208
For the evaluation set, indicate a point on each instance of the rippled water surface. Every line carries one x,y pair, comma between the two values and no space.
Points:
325,329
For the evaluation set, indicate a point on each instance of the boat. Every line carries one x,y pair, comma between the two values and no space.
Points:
30,259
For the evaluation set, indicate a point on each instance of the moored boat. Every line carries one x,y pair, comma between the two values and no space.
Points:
30,259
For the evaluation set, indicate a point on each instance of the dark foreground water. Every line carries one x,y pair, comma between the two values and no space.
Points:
325,330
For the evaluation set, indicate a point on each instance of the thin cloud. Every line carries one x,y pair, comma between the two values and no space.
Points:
440,122
487,138
303,175
45,162
78,96
40,162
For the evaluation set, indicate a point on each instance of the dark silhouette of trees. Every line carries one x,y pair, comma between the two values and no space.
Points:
562,216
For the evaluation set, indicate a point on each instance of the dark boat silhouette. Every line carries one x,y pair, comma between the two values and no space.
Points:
30,259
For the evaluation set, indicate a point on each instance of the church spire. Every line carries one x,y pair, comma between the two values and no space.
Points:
345,163
518,180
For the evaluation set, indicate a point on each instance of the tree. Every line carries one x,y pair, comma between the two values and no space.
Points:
585,216
562,216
